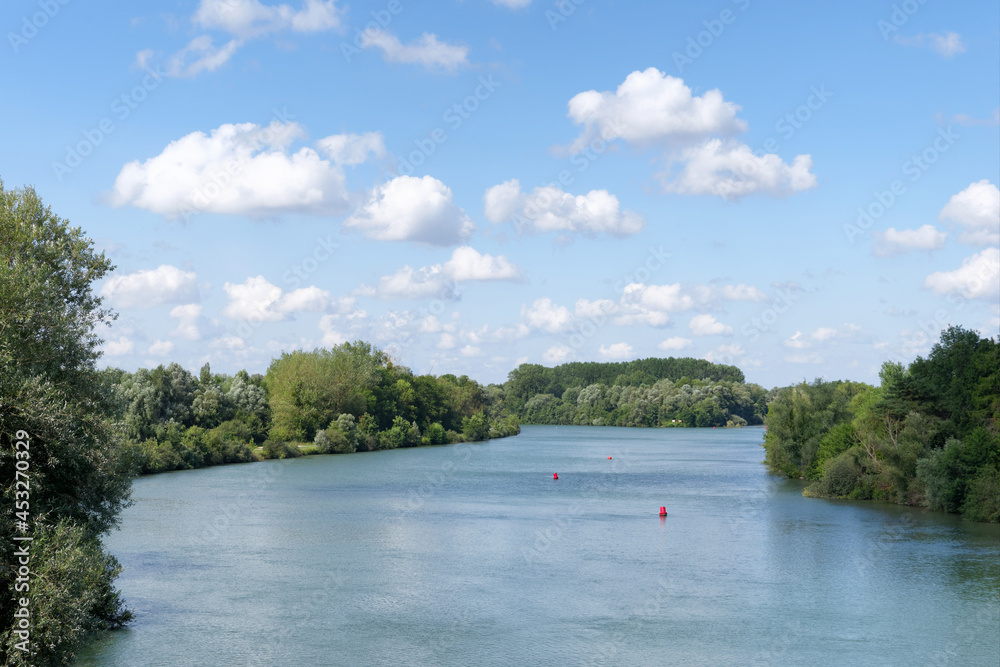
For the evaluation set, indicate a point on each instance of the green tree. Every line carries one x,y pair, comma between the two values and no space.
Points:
53,399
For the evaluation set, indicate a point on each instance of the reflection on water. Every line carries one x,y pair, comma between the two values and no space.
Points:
474,555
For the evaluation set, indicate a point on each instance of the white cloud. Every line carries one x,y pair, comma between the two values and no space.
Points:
412,209
153,287
446,342
241,169
160,348
250,18
331,335
894,242
804,358
713,294
977,278
824,334
725,354
651,107
660,298
117,348
470,351
707,325
557,354
676,343
512,4
245,20
977,210
548,209
427,51
616,351
257,300
695,134
731,170
352,149
547,316
466,264
199,55
188,320
947,44
796,341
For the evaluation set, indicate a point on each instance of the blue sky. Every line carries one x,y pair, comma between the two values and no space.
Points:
801,190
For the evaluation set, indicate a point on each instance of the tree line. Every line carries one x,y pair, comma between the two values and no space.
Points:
349,398
646,392
928,435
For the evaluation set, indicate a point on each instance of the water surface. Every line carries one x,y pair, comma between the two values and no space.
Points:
473,555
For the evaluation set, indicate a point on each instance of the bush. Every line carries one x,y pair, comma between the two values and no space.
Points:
840,477
435,435
72,596
475,428
279,449
982,498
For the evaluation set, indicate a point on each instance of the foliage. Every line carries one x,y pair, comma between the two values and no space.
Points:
648,392
928,435
52,398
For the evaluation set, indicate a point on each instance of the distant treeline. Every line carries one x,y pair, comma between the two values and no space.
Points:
929,435
646,392
345,399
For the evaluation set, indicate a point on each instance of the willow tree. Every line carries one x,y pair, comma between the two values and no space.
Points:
53,400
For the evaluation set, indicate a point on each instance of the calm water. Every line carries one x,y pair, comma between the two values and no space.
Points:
474,555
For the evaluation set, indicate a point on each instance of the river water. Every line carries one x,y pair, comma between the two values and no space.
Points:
474,555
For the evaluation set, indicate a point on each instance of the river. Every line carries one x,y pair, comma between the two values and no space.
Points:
474,555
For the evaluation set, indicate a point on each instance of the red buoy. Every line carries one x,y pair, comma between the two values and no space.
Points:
663,511
555,475
609,458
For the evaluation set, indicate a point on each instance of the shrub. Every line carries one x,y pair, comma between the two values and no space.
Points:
279,449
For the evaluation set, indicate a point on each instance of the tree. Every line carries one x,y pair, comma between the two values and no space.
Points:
54,400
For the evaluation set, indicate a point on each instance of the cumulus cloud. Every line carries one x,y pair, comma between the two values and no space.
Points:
557,354
427,51
154,287
160,348
616,351
896,242
331,334
188,319
947,44
977,210
512,4
243,20
651,107
707,325
470,351
119,347
695,133
408,208
725,354
257,300
977,278
250,18
675,343
466,264
545,315
240,169
548,209
731,170
353,149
